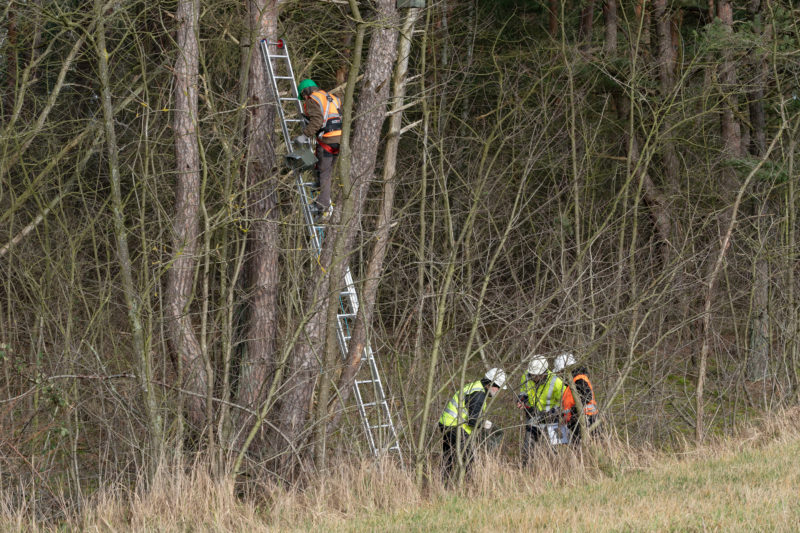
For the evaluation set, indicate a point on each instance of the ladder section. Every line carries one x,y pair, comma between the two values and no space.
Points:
368,390
290,113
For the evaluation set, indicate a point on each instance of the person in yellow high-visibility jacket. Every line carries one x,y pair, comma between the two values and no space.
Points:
540,396
460,418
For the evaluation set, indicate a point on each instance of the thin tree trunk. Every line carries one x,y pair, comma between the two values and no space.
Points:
666,71
643,18
711,281
732,146
140,348
758,359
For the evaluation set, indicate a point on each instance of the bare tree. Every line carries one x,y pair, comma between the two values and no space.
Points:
132,298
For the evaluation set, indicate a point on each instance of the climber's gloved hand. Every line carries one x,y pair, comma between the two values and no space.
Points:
302,139
487,425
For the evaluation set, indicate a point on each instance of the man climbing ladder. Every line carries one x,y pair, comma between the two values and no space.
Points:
324,122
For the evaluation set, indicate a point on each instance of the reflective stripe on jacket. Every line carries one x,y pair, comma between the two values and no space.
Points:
455,412
330,105
568,402
545,396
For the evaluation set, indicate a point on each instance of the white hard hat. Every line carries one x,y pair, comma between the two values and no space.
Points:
537,365
497,376
563,361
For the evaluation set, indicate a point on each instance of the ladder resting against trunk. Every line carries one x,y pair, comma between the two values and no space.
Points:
368,390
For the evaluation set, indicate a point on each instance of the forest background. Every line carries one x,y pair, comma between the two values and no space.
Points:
613,179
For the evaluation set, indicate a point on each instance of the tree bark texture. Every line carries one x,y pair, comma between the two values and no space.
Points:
257,363
373,97
757,368
666,72
586,23
611,18
358,341
185,227
371,112
552,19
731,129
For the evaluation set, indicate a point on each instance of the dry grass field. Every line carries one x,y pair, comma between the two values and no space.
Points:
750,482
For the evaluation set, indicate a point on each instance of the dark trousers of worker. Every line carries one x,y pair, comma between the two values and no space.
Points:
450,436
575,430
529,440
323,173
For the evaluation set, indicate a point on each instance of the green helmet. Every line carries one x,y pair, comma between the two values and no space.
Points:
305,84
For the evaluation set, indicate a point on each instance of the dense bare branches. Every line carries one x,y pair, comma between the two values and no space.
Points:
626,194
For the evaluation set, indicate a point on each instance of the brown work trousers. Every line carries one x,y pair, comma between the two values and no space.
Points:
323,172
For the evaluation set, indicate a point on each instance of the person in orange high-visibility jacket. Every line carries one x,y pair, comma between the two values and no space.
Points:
322,111
585,391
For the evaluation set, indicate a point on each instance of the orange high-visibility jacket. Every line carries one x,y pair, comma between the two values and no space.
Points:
329,107
568,402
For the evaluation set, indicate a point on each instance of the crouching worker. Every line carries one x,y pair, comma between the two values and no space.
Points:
540,397
460,418
585,391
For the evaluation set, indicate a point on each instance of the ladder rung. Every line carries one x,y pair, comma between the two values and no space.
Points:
293,120
288,99
379,426
283,77
370,404
346,315
362,381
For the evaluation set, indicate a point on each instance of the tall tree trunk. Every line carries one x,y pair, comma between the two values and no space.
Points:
653,195
357,171
666,73
132,301
552,19
358,340
731,129
586,23
611,18
185,228
758,359
262,277
320,305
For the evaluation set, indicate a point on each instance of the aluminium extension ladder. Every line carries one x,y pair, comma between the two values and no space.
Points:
368,390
